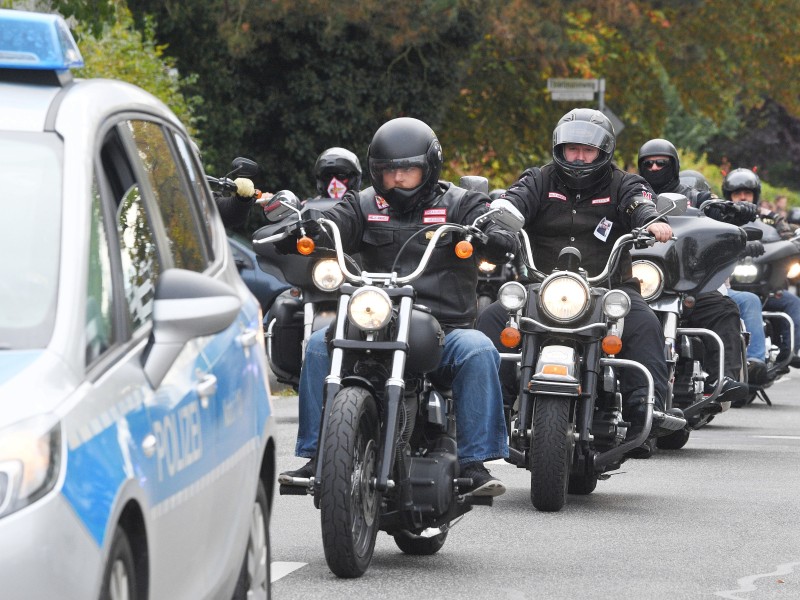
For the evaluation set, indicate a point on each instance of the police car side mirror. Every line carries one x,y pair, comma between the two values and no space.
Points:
186,305
505,214
670,203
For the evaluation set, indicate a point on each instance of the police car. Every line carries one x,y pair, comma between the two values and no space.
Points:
136,439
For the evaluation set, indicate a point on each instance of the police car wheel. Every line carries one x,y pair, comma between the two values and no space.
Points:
255,574
119,578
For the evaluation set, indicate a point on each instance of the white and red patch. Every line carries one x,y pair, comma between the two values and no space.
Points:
557,196
379,218
336,188
602,200
381,203
647,195
434,215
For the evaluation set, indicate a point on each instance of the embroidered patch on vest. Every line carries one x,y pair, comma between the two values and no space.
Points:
434,215
647,195
381,203
382,218
557,196
601,200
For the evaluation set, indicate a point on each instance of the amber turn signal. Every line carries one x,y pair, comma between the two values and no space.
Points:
463,249
305,245
612,344
510,337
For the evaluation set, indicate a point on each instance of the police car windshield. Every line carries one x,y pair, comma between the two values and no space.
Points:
30,222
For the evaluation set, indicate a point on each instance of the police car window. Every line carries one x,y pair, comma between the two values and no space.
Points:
99,315
140,266
167,179
194,172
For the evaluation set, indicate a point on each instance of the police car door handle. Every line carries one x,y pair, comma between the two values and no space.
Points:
206,387
248,337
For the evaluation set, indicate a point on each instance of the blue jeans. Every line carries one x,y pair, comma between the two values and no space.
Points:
790,304
750,312
469,364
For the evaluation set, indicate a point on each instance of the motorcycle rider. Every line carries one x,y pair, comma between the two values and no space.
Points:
583,199
660,166
336,171
405,160
743,185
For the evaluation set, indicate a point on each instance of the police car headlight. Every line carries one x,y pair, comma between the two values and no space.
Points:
512,295
564,298
616,304
651,278
327,275
369,308
30,459
486,267
745,273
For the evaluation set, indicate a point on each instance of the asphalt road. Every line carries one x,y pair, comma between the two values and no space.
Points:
716,519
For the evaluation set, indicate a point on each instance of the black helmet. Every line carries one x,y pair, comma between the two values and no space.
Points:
588,127
665,179
399,143
341,164
741,179
695,180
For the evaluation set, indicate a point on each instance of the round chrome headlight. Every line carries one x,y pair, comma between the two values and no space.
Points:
512,295
486,267
616,304
564,297
745,272
327,275
651,278
369,308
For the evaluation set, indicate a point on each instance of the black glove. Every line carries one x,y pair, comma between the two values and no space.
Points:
313,229
287,245
754,248
718,212
498,245
744,212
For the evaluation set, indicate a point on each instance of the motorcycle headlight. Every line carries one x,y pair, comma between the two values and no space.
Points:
745,272
369,308
794,271
30,460
327,275
616,304
563,297
486,267
651,278
512,295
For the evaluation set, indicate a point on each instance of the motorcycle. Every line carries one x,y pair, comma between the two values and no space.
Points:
672,275
387,457
567,426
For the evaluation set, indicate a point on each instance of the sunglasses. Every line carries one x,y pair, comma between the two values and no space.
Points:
659,162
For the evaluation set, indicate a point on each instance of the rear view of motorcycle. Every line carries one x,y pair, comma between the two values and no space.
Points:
567,426
387,457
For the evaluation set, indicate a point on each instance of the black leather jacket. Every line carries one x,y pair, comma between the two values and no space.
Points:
371,227
556,216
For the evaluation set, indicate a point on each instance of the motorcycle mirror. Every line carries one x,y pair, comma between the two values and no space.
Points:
753,233
244,167
475,183
670,203
507,215
280,205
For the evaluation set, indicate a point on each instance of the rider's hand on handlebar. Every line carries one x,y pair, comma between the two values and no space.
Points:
661,231
754,248
244,187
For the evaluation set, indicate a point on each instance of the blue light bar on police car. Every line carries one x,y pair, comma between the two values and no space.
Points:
36,41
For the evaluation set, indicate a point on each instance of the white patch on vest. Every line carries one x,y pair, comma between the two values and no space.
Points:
381,203
603,229
601,200
557,196
378,218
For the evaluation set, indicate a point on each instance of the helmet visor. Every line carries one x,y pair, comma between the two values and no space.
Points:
583,132
379,166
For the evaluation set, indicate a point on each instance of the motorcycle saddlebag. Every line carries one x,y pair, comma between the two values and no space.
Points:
287,333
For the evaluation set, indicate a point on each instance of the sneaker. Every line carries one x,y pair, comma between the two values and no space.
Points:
732,390
483,484
756,372
304,472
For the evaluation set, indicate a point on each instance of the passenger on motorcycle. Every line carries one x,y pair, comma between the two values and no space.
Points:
743,185
584,200
405,160
660,166
336,171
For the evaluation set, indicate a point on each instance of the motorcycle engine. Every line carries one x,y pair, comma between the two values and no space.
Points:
432,477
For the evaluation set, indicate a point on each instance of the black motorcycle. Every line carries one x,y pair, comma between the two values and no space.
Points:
387,456
567,428
672,275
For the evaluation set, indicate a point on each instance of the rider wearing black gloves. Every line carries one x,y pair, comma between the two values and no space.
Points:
582,199
405,160
660,166
234,208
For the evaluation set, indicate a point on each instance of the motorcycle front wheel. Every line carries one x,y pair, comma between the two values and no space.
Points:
349,505
552,445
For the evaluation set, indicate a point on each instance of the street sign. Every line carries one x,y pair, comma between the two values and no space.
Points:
618,125
572,89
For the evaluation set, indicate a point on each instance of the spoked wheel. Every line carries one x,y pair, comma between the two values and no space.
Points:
420,546
552,445
675,440
254,576
349,504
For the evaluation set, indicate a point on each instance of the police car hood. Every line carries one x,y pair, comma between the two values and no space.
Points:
32,382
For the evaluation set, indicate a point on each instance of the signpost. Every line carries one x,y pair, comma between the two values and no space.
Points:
584,89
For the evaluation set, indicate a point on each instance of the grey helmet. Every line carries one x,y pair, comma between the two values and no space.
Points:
588,127
741,179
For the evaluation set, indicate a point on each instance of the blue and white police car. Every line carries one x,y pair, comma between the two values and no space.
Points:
136,440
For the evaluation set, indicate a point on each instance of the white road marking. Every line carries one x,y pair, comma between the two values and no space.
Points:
282,569
779,437
747,584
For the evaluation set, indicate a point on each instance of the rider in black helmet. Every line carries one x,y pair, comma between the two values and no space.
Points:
336,171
